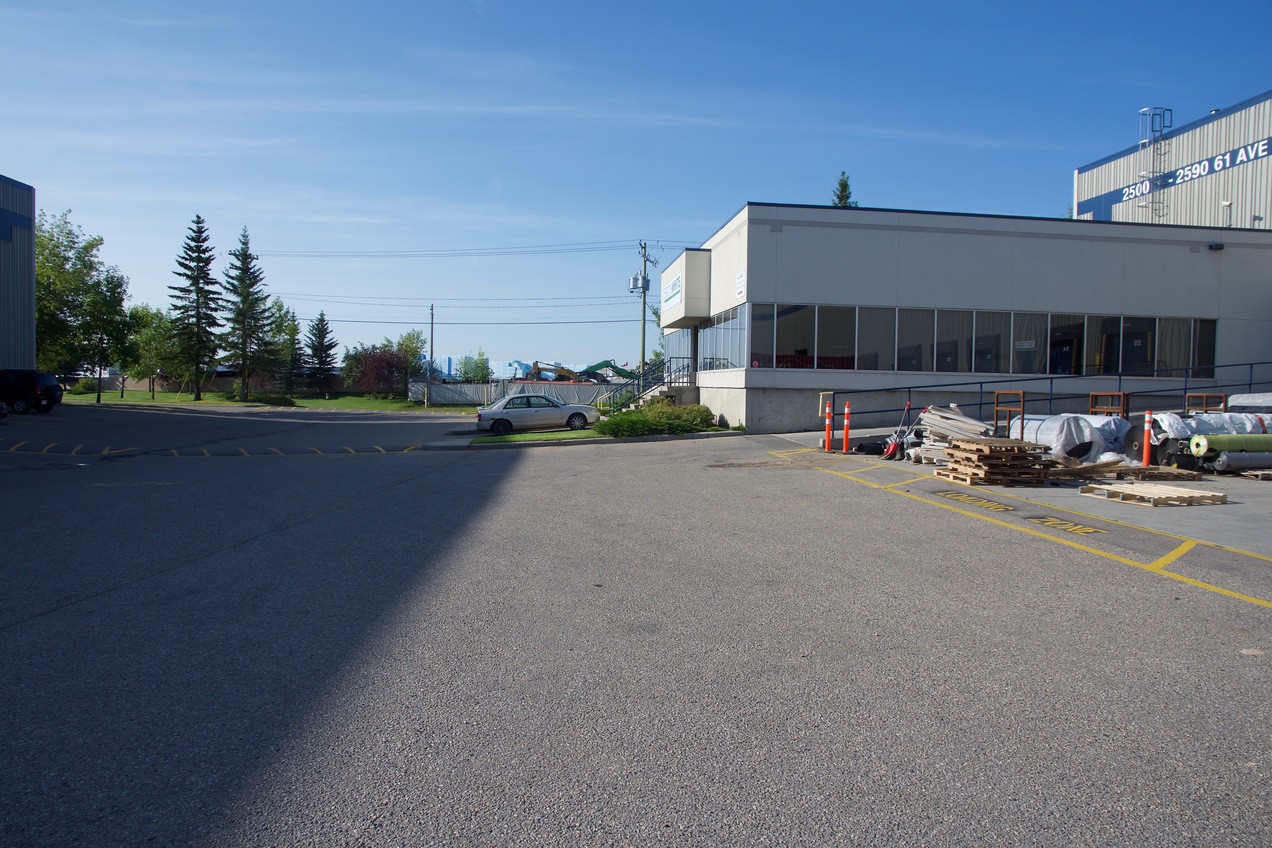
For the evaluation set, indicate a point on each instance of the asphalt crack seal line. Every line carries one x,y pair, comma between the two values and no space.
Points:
989,510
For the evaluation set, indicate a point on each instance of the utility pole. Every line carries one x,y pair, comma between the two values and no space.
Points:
641,282
428,373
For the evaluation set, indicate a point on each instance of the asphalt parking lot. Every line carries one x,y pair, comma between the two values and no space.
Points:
736,640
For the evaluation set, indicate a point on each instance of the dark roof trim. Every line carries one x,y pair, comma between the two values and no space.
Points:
1186,128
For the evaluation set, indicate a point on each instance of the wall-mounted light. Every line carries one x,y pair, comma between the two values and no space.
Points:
1214,247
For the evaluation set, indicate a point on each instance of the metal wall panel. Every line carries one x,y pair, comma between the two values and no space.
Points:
1215,172
17,274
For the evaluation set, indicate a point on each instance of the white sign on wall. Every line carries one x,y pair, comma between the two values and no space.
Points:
673,292
739,286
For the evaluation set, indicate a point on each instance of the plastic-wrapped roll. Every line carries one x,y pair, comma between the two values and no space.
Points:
1217,443
1237,461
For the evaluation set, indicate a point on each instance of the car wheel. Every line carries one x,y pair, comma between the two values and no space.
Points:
502,427
21,406
577,421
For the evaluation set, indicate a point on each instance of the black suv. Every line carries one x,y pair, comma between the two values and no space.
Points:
23,390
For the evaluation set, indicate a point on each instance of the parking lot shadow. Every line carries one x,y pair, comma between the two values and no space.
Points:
167,626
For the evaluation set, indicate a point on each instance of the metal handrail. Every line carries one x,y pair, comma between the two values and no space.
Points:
672,371
1210,383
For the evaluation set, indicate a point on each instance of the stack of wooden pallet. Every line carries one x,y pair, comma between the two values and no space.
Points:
941,427
996,462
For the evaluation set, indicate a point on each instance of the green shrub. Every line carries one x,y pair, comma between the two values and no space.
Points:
659,416
84,387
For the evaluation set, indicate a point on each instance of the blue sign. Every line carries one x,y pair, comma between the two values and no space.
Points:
1101,206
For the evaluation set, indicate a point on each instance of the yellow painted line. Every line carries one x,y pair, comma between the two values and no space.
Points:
244,452
49,447
205,451
380,449
277,451
1161,563
77,449
1155,567
174,452
15,447
1164,533
909,482
315,450
350,450
106,451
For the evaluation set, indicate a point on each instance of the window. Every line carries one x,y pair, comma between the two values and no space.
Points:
1066,346
1029,343
991,342
1173,338
761,335
954,340
1104,344
836,337
876,338
1203,348
796,329
916,332
1139,344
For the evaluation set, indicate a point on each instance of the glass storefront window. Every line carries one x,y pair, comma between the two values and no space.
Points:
1104,344
992,342
1173,339
916,332
876,338
1066,347
954,340
1029,343
1139,344
796,336
1203,348
761,335
837,337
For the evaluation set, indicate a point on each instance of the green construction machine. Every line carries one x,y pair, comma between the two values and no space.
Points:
609,363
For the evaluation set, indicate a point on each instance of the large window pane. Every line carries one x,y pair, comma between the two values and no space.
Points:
1104,344
1029,343
992,342
761,335
1203,348
954,340
836,337
1139,344
916,333
876,338
796,329
1066,351
1173,338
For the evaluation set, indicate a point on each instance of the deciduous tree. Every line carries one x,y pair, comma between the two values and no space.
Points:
79,299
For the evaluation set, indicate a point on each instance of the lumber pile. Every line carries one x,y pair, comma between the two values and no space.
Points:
941,426
1071,469
996,462
1153,494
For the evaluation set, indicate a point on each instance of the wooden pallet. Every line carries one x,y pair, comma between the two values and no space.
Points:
984,477
996,462
1257,474
1153,494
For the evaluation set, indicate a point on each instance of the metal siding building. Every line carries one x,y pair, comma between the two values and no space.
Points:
1213,172
17,274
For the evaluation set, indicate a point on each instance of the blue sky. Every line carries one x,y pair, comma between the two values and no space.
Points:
385,158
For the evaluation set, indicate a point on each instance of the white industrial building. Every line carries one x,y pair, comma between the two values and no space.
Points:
1213,172
17,274
1155,289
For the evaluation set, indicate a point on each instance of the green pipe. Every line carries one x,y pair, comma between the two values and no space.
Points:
1214,444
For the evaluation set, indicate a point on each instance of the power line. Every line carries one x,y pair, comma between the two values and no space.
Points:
448,253
480,323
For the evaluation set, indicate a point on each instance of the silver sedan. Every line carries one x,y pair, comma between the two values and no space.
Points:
534,412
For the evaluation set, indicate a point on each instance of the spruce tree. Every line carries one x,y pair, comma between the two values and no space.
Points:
322,347
196,303
247,324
